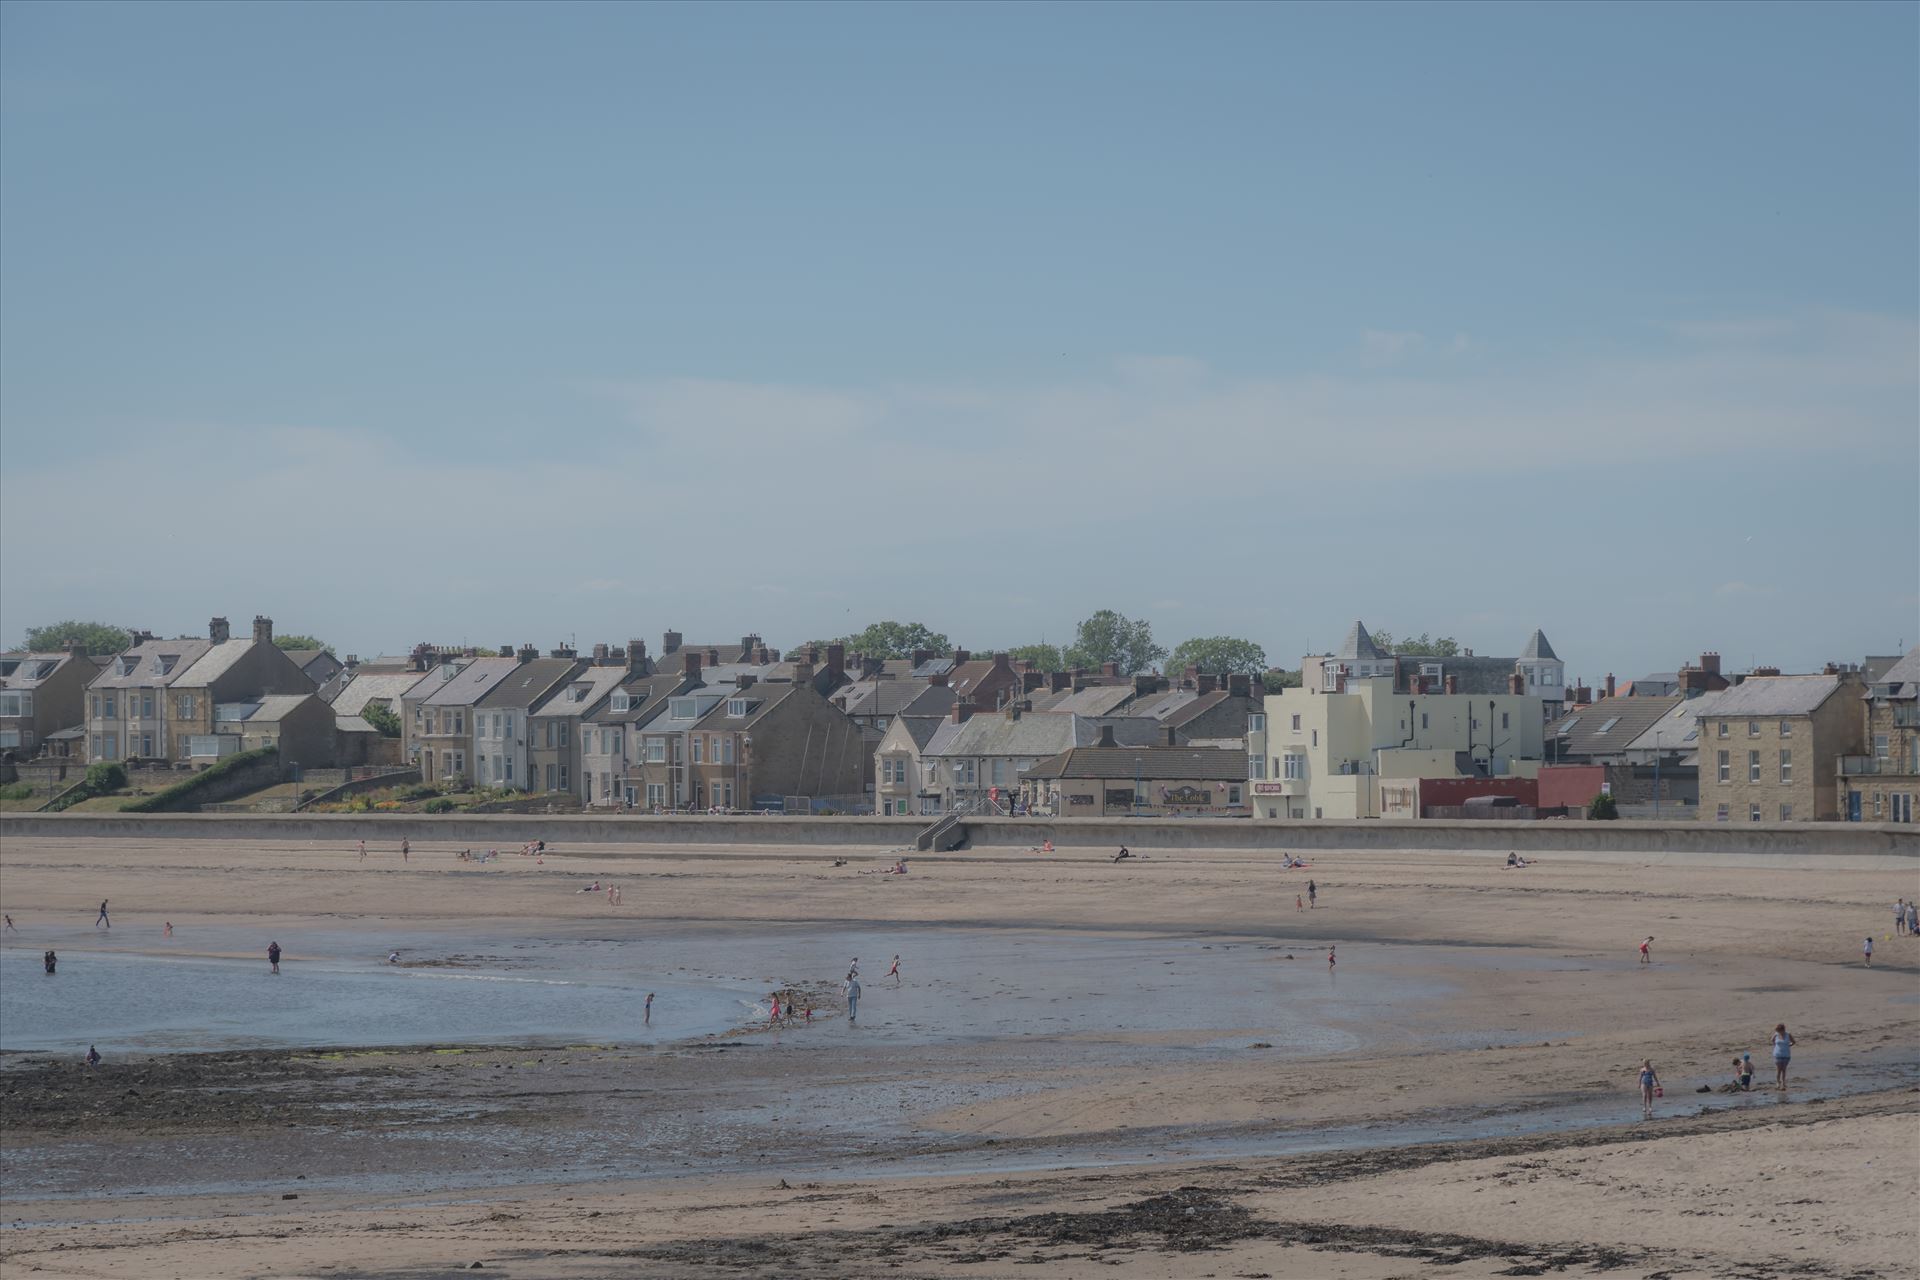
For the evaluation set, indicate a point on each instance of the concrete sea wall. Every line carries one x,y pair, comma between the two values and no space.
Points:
508,830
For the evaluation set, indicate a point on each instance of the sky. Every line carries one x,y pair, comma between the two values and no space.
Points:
518,324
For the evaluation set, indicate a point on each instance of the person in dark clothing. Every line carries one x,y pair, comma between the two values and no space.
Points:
50,960
273,956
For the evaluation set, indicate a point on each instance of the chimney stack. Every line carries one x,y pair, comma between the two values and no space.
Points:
560,651
528,653
1205,681
1516,683
217,631
1173,736
747,643
636,655
506,651
262,630
1609,684
960,656
938,678
693,662
1710,662
761,656
1240,686
76,649
1032,680
745,681
1144,685
599,654
670,643
1774,671
1109,668
962,708
713,657
836,660
1417,684
1106,736
1059,681
1451,683
921,657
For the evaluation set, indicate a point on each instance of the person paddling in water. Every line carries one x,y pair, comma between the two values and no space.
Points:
1649,1087
1330,951
273,957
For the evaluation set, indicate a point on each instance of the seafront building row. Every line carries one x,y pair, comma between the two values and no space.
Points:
1365,733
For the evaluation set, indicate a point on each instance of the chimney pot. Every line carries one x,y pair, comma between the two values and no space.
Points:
262,630
960,656
528,653
962,708
692,667
670,643
218,631
1609,684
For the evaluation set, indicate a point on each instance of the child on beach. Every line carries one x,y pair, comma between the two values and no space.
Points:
51,961
646,1011
809,1015
1866,950
404,848
1649,1087
894,972
363,851
1299,903
166,930
1330,957
1646,956
93,1056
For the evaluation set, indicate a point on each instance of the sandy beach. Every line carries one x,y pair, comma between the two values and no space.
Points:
1141,1069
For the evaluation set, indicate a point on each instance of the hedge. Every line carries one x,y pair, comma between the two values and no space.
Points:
161,801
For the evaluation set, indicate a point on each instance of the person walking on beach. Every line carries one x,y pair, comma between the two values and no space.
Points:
102,917
1646,954
646,1010
1649,1087
1900,915
10,928
1299,903
853,998
273,956
1330,951
1913,920
894,972
1866,950
404,848
774,999
166,929
51,961
1783,1043
1313,894
363,851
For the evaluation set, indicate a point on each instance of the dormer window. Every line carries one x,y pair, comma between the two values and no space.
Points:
128,665
737,707
683,709
620,702
577,693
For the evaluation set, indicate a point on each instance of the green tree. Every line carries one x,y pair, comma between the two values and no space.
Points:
105,776
99,637
1602,808
1218,653
1420,646
301,642
1113,637
1046,657
382,718
895,640
1278,679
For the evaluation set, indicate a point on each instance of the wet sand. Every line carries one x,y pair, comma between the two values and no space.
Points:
1078,1055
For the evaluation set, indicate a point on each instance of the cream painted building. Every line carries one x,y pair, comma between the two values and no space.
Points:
1325,751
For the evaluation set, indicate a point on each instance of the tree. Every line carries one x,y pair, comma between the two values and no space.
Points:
301,642
1046,657
1602,808
1113,637
894,640
99,637
104,776
382,718
1278,679
1218,653
1420,646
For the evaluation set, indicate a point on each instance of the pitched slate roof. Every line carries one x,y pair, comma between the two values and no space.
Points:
363,687
1763,696
527,683
31,670
1679,729
1099,700
1538,650
1902,679
760,699
646,698
186,651
1038,734
920,728
595,684
217,661
468,684
1606,728
1358,644
1160,764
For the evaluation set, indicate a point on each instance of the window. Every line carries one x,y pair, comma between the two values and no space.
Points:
1786,765
1295,766
1753,728
1753,813
726,751
460,762
552,774
999,773
1256,767
1296,724
736,708
620,702
563,777
509,724
146,745
16,704
1233,794
1720,814
1316,737
656,752
113,746
549,736
107,701
1503,719
1256,723
509,768
1879,743
146,706
460,722
1753,766
9,737
1726,774
656,795
610,741
683,709
1423,719
699,745
1786,813
1608,725
1786,728
564,730
1722,727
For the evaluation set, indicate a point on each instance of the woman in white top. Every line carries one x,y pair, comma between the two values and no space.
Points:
1782,1053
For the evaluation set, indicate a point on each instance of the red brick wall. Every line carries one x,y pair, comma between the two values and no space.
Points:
1451,791
1572,785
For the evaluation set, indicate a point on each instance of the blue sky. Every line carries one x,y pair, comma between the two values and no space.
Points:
504,323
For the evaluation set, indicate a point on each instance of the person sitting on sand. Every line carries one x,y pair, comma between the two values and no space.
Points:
93,1056
1513,859
592,888
1124,853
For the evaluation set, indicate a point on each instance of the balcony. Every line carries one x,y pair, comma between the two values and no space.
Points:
1863,766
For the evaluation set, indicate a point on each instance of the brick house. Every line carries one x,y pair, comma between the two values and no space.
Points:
204,704
40,695
766,741
610,739
1880,783
1770,747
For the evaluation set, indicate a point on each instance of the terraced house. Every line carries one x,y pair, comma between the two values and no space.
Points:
1770,747
42,694
207,704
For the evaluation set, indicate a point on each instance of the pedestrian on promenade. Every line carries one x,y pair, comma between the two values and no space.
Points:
404,848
